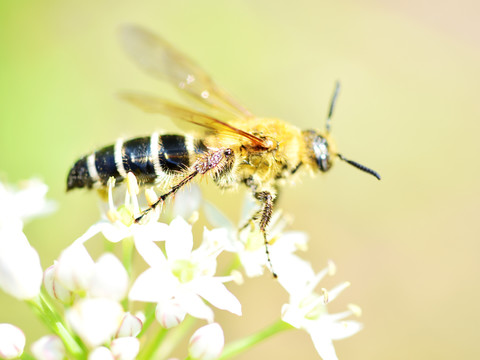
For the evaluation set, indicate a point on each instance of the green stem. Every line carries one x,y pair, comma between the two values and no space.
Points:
246,343
168,342
127,254
149,318
55,323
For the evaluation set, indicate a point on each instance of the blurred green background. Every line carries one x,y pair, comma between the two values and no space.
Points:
408,108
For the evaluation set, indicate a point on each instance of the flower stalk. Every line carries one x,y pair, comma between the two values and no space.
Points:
241,345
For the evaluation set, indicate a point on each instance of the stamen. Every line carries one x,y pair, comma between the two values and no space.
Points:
338,289
355,309
325,296
133,190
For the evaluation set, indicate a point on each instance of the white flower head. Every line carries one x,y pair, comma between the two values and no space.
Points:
206,343
12,341
184,276
307,310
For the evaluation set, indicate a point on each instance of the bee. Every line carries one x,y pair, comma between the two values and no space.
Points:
230,145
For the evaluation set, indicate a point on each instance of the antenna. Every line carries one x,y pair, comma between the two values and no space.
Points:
332,105
360,166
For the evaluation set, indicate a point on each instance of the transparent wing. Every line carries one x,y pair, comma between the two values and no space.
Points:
161,60
177,112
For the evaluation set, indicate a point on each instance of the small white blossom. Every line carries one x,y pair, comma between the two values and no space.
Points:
184,276
95,320
12,341
125,348
206,343
20,269
48,347
307,310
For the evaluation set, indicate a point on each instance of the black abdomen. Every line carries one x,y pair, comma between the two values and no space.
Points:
150,158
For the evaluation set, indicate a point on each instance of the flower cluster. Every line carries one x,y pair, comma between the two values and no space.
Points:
107,308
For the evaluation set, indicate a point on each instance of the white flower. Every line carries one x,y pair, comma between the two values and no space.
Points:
307,310
12,341
125,348
120,224
110,279
184,276
206,343
20,270
95,320
48,347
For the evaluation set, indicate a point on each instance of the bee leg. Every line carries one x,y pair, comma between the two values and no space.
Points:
267,200
172,191
251,220
212,161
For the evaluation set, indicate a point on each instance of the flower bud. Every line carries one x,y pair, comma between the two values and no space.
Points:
75,268
131,326
12,341
206,343
101,353
48,347
54,288
125,348
169,313
110,279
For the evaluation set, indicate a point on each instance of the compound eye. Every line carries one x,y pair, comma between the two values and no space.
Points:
322,155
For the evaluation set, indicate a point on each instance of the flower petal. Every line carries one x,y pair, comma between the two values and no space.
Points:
180,240
20,270
153,285
212,290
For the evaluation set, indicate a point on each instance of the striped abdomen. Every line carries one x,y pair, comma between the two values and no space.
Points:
151,159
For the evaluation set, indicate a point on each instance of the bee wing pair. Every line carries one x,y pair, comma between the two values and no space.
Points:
161,60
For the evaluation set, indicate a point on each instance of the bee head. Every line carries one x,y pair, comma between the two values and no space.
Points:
320,146
319,149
